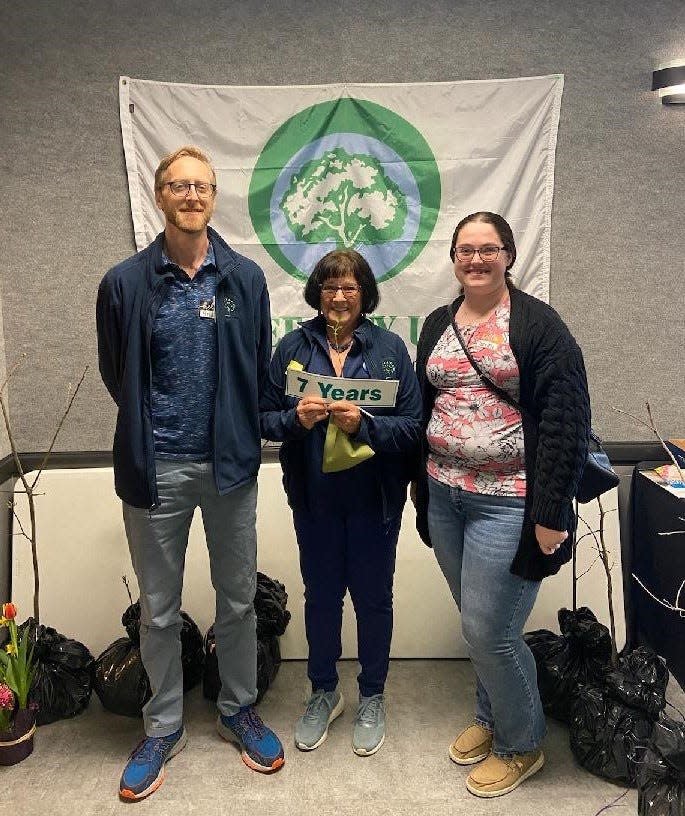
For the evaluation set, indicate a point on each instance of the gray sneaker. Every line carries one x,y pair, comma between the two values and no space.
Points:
312,727
369,725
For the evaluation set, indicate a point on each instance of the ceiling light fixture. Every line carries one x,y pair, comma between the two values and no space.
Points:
669,80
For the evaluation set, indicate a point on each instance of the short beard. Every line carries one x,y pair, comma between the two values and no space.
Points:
180,222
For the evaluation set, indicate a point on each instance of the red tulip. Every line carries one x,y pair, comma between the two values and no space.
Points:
6,697
9,611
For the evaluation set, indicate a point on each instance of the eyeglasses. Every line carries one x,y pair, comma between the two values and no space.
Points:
203,189
332,291
486,253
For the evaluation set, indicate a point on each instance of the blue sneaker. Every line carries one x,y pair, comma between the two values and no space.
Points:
144,771
261,749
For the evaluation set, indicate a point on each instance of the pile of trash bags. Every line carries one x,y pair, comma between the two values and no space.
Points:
661,771
610,710
62,682
579,656
120,680
272,619
612,722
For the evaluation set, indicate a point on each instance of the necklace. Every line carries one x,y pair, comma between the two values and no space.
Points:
340,347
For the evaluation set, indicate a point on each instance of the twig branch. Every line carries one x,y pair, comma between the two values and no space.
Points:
14,367
585,572
593,534
604,556
128,589
21,526
59,428
29,496
652,427
677,608
29,489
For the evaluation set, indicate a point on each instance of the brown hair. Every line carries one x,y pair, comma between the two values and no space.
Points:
336,264
506,236
186,150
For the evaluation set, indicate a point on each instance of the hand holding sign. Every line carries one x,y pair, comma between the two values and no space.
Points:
310,410
346,415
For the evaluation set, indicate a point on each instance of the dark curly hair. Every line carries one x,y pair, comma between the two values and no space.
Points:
337,264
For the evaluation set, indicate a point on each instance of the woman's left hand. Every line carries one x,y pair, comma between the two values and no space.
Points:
549,541
345,415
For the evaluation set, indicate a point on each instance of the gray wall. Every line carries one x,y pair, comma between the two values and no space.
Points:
617,238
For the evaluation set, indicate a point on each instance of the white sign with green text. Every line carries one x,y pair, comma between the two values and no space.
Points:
369,393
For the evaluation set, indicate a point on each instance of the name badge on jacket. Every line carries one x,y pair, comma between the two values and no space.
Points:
207,310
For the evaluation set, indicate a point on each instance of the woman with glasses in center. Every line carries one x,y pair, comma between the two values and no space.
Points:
347,521
507,420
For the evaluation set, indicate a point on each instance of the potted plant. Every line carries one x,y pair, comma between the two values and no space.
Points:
62,681
17,715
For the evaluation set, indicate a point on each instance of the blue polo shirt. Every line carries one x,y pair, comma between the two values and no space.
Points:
184,364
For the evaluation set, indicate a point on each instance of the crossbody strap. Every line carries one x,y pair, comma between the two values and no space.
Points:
483,376
491,385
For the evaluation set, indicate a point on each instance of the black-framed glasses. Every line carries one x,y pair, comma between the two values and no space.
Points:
329,290
489,252
203,189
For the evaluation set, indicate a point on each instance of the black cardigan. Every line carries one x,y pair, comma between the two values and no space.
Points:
556,423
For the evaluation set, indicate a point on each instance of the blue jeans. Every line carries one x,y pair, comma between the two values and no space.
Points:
354,551
475,538
157,541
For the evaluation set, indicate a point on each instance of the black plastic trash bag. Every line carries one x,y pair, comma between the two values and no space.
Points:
640,681
120,680
272,618
661,773
211,682
270,604
268,663
612,722
62,683
579,656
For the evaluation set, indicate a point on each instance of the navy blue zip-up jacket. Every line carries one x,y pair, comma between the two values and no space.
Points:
128,300
393,433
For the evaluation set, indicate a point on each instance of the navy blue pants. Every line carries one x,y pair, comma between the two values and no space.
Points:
354,551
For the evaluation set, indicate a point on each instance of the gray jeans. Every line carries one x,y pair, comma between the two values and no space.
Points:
157,541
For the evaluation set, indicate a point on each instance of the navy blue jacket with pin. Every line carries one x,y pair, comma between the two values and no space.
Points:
394,433
128,300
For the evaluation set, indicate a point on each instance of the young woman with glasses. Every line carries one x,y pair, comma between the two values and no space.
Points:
503,453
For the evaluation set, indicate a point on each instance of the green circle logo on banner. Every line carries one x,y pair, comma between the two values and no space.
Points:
345,173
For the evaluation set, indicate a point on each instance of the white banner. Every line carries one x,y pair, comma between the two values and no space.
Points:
386,169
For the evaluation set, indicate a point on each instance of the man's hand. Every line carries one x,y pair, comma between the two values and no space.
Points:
311,410
549,541
346,415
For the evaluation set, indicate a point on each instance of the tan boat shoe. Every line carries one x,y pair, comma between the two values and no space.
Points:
499,775
471,746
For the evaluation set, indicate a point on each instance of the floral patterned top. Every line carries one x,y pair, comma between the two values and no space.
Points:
475,438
